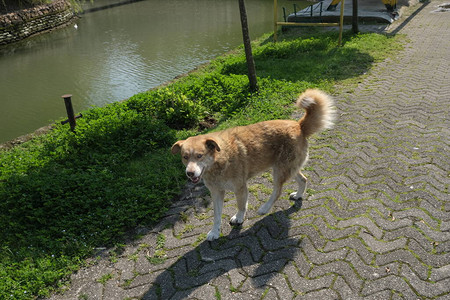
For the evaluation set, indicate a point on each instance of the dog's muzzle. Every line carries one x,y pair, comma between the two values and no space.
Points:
193,178
194,171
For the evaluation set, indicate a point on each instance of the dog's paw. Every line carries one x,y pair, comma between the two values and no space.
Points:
212,235
264,209
295,196
236,220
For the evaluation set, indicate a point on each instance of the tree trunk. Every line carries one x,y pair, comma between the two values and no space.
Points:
248,48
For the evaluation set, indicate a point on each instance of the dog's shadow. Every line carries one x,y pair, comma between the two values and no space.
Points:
249,258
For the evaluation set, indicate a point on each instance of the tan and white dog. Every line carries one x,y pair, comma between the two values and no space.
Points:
227,159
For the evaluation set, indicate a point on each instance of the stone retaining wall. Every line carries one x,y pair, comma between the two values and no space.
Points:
18,25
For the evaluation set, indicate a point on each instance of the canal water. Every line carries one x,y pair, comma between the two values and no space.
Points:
115,52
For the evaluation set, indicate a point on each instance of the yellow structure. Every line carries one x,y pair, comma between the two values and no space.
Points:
390,4
276,23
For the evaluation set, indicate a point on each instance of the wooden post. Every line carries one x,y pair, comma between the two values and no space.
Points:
275,20
248,48
341,23
355,17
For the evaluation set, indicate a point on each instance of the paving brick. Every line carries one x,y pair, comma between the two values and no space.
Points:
334,233
405,257
427,289
369,225
324,294
269,244
413,234
341,268
354,244
304,285
280,285
438,274
382,246
392,283
318,257
380,295
388,222
256,286
204,292
266,267
222,265
300,264
371,272
344,291
434,260
208,254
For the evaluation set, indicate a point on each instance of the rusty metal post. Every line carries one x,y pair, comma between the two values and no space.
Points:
69,109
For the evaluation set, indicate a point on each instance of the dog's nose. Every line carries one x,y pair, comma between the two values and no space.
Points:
190,174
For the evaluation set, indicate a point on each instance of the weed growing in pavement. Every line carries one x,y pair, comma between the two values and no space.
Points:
103,279
160,241
64,194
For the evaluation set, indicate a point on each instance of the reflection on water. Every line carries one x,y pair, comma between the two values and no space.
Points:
115,53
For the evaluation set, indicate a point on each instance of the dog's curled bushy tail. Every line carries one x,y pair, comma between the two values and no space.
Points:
319,109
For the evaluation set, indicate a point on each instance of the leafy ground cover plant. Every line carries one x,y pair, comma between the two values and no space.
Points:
64,194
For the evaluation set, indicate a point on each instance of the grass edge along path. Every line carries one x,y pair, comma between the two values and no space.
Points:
64,194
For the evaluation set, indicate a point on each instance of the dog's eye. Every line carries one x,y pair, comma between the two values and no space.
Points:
199,155
186,157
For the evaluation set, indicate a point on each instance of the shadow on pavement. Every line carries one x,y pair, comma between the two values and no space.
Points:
261,251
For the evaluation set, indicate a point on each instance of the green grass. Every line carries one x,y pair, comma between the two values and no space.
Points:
64,194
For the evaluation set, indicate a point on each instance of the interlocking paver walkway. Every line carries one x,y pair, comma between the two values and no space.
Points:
374,225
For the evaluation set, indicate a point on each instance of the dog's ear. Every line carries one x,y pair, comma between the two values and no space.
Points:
211,144
177,147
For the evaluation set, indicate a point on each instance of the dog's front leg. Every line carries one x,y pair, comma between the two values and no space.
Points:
217,197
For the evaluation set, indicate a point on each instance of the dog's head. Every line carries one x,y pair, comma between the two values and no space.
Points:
197,154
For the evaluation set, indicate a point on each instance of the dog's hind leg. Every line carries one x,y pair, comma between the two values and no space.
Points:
279,178
301,180
217,196
241,198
